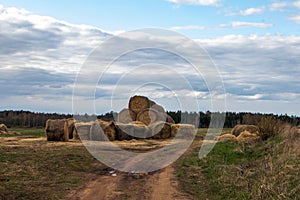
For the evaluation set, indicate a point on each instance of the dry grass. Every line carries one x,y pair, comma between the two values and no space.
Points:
266,170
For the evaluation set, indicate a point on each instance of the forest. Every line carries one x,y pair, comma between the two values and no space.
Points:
37,119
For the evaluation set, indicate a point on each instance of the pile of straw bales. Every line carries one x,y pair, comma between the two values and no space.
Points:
145,118
141,120
244,134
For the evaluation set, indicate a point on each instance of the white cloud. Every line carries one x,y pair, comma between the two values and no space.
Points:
296,4
32,40
189,27
295,18
196,2
42,55
252,11
278,6
239,24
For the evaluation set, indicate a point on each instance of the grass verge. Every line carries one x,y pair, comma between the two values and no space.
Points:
268,170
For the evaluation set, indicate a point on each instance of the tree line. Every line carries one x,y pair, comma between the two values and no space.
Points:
37,119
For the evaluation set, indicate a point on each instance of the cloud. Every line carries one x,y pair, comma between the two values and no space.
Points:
256,67
295,18
252,11
40,57
239,24
189,27
296,4
196,2
278,6
36,41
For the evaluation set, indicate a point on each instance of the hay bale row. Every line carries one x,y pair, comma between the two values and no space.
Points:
65,129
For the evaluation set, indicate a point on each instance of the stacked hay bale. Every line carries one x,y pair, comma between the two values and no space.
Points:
57,130
143,119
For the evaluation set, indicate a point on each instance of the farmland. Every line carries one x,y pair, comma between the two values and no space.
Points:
32,168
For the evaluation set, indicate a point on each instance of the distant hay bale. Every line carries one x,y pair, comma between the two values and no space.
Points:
126,116
238,129
247,137
3,128
148,116
57,130
138,103
160,130
227,138
83,130
186,131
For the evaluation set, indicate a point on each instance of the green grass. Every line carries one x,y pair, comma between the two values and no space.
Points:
33,132
267,170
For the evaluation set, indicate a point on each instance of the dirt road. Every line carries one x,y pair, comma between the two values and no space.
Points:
159,185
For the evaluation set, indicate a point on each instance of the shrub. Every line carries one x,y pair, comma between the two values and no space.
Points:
269,126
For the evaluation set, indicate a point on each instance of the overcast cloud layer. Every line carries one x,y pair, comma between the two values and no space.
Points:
40,57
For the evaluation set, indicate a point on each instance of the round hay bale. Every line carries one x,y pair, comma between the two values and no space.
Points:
71,127
140,130
57,130
170,120
138,103
75,134
160,130
158,108
238,129
109,129
3,128
186,131
149,116
124,131
126,116
247,137
227,138
83,130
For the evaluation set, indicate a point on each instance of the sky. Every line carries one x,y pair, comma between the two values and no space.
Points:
255,46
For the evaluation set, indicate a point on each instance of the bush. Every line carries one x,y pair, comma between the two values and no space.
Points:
269,126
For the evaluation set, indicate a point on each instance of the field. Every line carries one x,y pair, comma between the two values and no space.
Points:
32,168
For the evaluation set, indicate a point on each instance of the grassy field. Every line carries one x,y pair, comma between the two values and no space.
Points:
32,168
267,170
